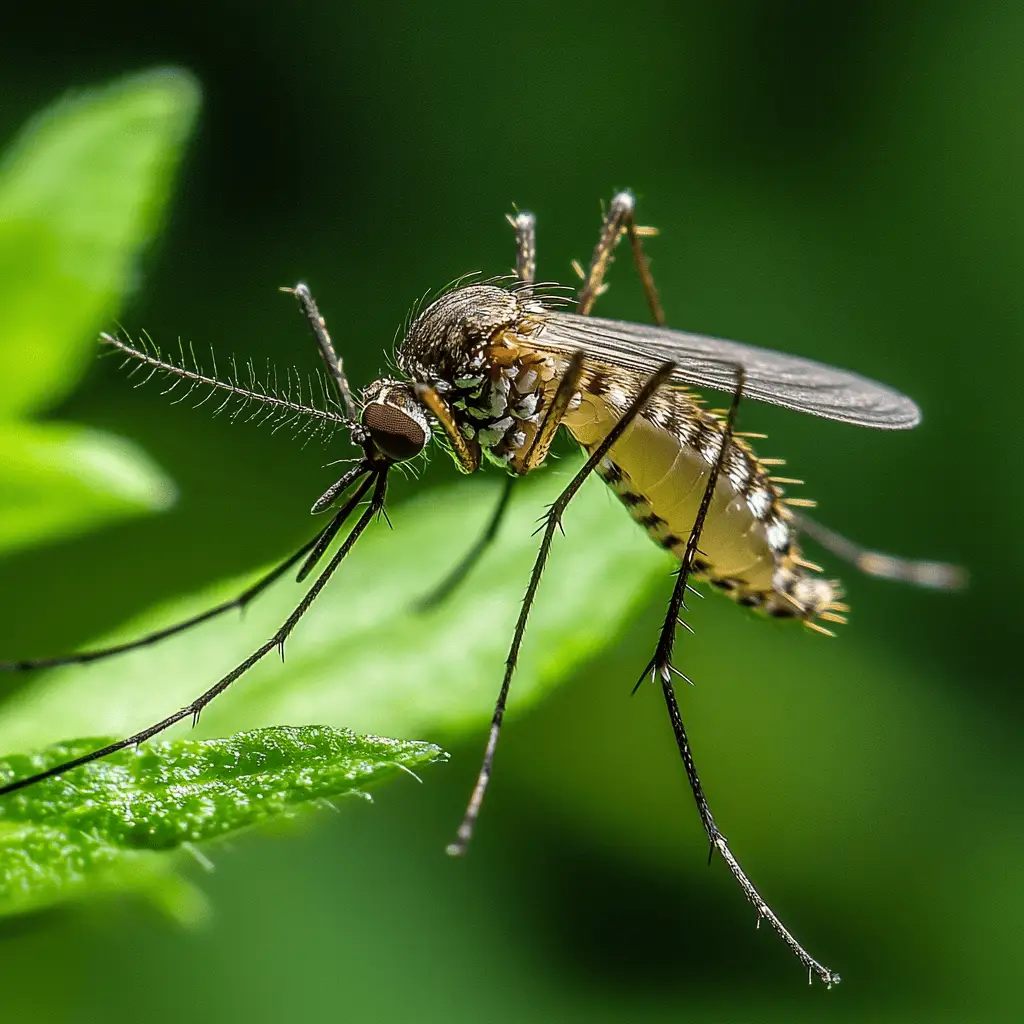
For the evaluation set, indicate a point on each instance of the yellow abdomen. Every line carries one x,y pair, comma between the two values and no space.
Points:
659,469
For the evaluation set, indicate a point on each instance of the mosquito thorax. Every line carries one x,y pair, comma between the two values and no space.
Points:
394,419
449,336
474,346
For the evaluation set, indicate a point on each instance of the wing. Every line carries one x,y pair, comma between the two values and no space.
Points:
789,381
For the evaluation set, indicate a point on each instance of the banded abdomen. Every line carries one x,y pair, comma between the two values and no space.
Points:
659,469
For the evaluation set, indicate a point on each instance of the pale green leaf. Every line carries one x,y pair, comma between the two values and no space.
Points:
82,191
57,479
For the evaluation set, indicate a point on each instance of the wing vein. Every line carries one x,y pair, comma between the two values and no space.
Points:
774,377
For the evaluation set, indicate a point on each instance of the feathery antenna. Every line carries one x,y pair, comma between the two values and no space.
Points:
295,405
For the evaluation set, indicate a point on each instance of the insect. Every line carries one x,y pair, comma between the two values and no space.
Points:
491,371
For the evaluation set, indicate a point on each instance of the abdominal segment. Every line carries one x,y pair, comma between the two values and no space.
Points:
659,469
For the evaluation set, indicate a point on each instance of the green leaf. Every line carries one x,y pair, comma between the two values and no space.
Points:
363,657
57,479
82,191
116,823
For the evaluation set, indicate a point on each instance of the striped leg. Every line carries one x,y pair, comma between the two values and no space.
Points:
551,522
661,669
618,220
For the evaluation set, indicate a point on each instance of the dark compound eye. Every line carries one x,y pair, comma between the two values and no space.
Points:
394,431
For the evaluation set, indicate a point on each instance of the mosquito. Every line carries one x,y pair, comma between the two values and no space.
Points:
491,371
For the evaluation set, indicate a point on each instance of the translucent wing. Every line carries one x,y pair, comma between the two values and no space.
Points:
774,377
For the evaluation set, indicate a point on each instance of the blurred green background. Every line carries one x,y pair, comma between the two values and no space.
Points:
837,181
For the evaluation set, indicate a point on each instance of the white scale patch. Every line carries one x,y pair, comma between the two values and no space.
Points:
759,501
777,534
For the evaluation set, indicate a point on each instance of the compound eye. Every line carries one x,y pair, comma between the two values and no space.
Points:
394,431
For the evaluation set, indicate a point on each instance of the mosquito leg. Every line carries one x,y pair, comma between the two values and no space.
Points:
554,413
661,668
276,642
83,657
525,224
719,843
940,575
617,220
243,599
551,522
445,588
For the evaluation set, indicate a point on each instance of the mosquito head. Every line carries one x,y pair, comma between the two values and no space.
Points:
395,421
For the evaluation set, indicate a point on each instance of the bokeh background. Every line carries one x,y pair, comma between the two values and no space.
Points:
840,181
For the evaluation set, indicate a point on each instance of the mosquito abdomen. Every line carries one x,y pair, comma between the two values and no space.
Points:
659,469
